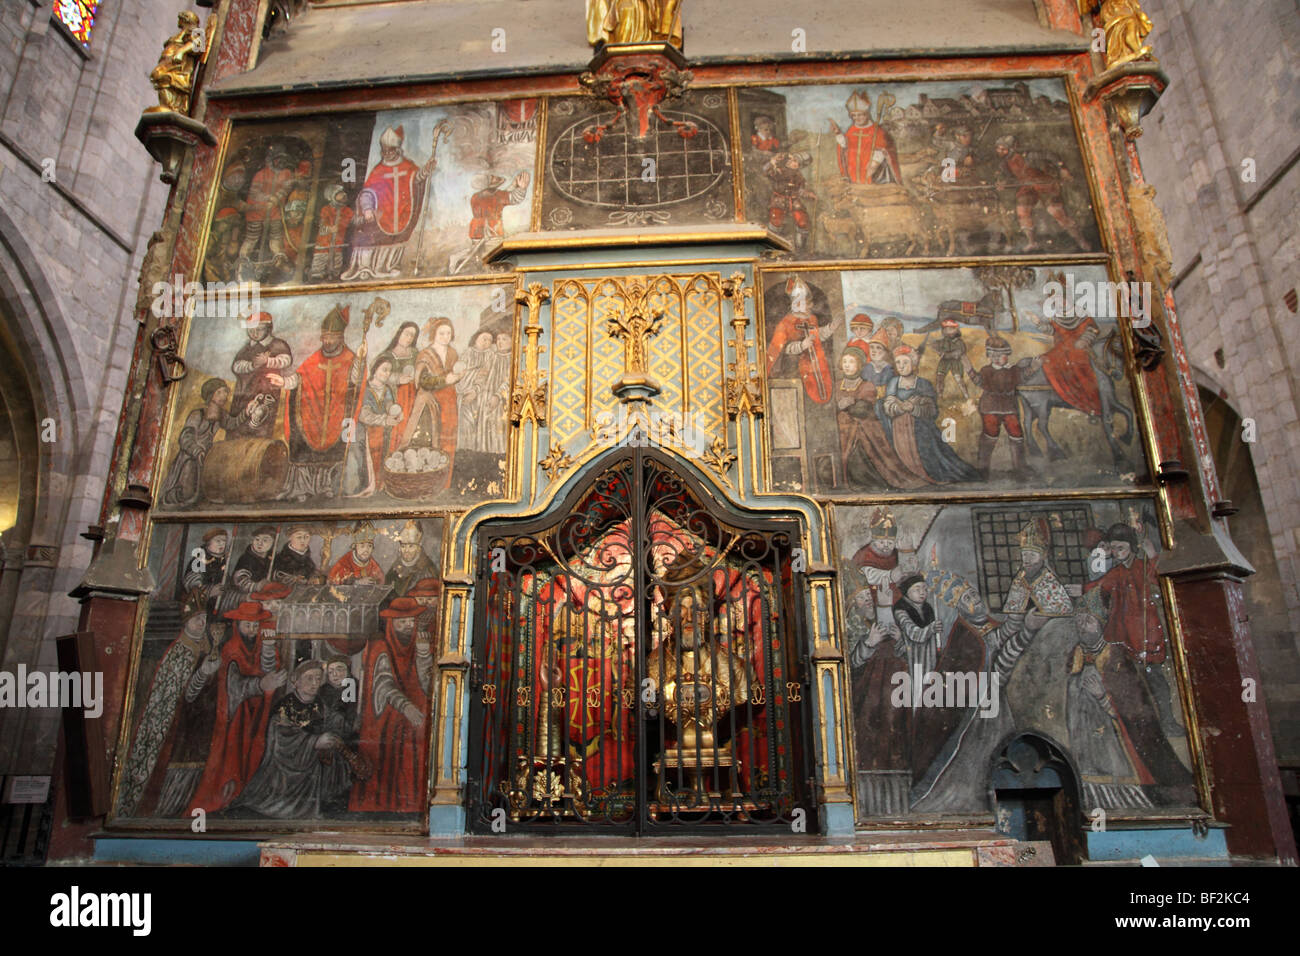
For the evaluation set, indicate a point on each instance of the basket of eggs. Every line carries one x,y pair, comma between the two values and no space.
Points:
414,472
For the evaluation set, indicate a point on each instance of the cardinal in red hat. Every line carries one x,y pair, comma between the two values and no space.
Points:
397,673
249,674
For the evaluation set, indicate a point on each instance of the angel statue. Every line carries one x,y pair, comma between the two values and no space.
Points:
173,77
634,21
1126,26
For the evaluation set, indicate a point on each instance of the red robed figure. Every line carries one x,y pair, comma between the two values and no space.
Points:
238,738
814,369
738,600
346,570
332,228
322,395
1134,621
1068,367
397,196
595,690
394,747
488,208
855,155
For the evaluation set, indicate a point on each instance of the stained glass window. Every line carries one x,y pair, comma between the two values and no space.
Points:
78,16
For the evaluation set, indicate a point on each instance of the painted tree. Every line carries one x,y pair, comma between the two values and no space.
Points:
1005,280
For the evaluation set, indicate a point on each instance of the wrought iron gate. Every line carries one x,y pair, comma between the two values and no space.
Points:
639,664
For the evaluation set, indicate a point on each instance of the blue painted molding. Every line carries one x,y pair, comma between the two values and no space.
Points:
1163,843
447,821
839,820
172,851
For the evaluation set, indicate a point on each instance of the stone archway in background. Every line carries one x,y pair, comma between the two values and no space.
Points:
1270,625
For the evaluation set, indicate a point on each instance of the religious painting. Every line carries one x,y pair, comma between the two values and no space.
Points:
969,624
953,168
361,197
285,674
353,400
922,381
645,165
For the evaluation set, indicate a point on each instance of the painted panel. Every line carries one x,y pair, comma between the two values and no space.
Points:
284,675
935,168
361,197
923,381
670,166
355,401
968,624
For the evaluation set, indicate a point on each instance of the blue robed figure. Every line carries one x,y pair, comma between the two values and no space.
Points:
908,411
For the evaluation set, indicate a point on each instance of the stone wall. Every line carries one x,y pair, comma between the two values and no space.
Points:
1233,109
70,250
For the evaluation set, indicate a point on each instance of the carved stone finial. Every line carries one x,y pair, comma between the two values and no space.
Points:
634,21
173,77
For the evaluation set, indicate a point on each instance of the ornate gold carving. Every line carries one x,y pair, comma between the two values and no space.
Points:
1126,26
635,326
488,693
744,392
718,457
686,361
634,21
528,399
173,77
555,462
793,688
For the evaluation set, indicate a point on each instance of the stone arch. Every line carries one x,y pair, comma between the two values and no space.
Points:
42,386
34,335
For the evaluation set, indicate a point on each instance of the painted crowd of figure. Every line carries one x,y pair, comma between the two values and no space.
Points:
875,199
888,414
244,720
1091,670
349,423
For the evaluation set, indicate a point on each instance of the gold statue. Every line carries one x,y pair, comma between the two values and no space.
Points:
702,679
173,77
1126,26
634,21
